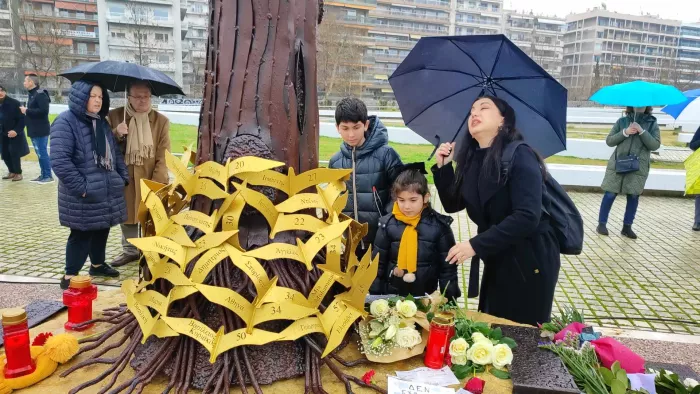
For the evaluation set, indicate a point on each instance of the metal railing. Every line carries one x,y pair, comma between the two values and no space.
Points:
411,28
356,2
416,15
436,3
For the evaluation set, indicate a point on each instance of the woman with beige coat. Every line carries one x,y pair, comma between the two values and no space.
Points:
143,136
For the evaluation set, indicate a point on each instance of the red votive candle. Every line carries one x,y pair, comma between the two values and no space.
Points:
78,298
441,331
17,351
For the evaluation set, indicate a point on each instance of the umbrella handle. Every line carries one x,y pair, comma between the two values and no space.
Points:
437,145
126,101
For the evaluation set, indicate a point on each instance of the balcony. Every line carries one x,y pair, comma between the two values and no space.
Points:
166,67
389,58
403,15
404,44
382,25
433,4
130,20
481,10
362,4
476,22
359,20
85,17
76,33
84,53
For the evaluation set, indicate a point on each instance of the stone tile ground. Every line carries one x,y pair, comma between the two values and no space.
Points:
643,284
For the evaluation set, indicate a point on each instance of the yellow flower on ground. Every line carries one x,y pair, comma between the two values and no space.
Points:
502,356
482,353
406,308
379,308
459,347
459,360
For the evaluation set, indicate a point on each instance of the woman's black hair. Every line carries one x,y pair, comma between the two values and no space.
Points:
507,133
411,180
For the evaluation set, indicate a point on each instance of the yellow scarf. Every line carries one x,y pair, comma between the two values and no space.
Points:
408,248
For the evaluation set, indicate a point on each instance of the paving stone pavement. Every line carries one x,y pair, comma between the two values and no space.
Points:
655,277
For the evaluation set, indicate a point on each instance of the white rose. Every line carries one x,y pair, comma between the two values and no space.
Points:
408,337
459,360
482,353
391,332
502,356
375,328
459,347
690,383
379,308
479,337
406,308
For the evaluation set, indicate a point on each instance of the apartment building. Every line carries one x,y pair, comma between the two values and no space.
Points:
55,35
8,62
688,65
626,47
539,37
194,46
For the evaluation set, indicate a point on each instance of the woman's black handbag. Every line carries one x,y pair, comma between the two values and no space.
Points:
627,164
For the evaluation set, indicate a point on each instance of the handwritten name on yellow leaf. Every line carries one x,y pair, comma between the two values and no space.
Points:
209,241
207,262
251,267
299,328
183,176
213,170
321,288
228,299
301,201
260,202
196,219
161,245
340,328
193,329
269,178
176,233
207,187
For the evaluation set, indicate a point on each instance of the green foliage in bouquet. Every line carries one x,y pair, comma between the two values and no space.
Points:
669,383
476,346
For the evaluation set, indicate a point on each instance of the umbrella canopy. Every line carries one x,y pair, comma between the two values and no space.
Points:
675,110
116,76
439,80
638,94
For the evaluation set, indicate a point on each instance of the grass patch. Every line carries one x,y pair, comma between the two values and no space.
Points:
184,135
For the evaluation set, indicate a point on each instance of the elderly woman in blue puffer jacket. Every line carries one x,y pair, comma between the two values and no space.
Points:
92,175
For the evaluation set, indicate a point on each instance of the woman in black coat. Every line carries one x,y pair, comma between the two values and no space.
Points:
12,139
515,240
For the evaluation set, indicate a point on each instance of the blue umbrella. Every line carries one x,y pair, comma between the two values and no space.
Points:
439,80
116,76
676,109
638,94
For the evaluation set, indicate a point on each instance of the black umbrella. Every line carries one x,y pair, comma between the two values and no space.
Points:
438,81
116,76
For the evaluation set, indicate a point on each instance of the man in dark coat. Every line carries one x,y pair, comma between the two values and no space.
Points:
365,149
38,126
92,175
694,145
12,138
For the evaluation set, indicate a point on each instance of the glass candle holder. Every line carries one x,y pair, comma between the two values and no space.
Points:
17,347
78,298
442,329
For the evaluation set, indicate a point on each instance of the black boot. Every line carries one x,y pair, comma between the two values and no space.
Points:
103,270
696,227
602,229
627,231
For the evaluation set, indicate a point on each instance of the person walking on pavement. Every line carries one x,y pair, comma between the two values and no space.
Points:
694,145
91,177
12,138
634,136
143,136
38,127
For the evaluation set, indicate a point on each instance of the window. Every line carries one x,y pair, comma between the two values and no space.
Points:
80,28
160,15
3,5
5,42
82,48
64,13
199,8
118,35
64,26
162,37
116,10
140,37
80,15
5,24
352,13
165,59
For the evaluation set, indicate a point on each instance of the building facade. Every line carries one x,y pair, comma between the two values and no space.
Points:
539,37
689,57
8,62
618,48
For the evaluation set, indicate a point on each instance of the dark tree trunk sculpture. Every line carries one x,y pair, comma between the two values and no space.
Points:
259,100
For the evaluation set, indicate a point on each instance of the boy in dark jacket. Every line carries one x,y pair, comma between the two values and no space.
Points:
694,145
38,126
365,150
413,242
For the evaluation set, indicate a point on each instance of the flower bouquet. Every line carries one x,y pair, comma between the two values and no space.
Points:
389,333
476,347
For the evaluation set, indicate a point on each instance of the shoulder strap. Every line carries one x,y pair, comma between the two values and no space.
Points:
507,157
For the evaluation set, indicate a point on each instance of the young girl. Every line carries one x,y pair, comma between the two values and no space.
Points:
413,242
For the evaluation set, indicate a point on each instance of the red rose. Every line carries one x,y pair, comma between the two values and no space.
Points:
367,377
475,386
448,359
40,339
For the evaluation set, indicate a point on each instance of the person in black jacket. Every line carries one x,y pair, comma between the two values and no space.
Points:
375,164
12,138
515,240
694,145
91,178
413,242
38,126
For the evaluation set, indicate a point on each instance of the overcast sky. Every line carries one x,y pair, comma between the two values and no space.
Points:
685,10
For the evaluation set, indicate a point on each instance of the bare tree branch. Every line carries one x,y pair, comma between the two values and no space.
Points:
339,59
